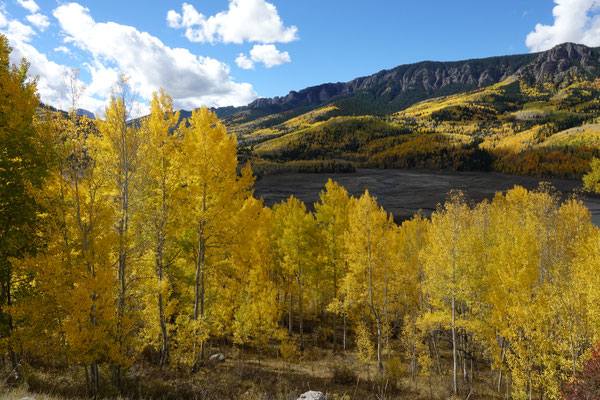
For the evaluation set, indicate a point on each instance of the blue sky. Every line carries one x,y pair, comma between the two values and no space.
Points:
228,52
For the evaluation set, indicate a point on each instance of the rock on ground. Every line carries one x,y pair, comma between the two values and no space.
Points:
312,395
217,358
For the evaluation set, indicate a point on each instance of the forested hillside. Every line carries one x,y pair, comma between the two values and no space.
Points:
513,127
534,114
132,253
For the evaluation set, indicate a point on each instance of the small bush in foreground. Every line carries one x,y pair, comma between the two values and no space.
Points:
586,383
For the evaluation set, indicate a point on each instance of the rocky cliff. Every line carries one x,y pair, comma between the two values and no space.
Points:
395,89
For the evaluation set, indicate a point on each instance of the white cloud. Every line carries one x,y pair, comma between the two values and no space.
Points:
174,19
191,80
51,84
62,49
574,21
244,62
189,18
39,21
29,5
103,78
269,55
18,31
245,20
264,53
3,20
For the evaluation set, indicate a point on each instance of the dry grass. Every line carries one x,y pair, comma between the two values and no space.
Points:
340,376
21,392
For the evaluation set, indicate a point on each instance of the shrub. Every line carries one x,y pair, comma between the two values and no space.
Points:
586,383
289,350
394,370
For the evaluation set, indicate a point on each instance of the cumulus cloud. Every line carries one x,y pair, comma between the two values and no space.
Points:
39,21
50,73
20,32
244,62
29,5
245,20
269,55
574,21
191,80
50,85
263,53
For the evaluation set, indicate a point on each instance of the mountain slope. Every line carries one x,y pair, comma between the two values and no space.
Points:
531,114
535,122
393,90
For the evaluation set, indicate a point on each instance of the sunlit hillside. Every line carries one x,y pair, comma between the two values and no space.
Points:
481,129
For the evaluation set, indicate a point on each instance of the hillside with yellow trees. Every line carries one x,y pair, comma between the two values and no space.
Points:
532,114
135,261
543,129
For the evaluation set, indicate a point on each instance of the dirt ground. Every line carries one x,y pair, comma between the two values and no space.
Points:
404,192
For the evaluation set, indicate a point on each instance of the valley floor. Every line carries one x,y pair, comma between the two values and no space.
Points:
404,192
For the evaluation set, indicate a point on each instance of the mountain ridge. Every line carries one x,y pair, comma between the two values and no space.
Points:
394,89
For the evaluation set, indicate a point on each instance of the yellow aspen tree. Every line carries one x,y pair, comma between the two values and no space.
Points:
91,326
587,279
414,338
44,278
445,269
295,240
413,248
512,271
475,320
519,267
24,159
567,286
214,193
400,290
591,180
243,257
71,274
370,248
412,235
75,269
549,336
257,316
332,216
161,199
364,344
118,154
413,241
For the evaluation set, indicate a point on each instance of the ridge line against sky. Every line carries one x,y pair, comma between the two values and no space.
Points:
229,52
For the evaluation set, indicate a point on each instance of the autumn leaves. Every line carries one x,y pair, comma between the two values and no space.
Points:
137,238
144,240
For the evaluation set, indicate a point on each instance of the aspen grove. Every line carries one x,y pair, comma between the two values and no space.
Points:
120,238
